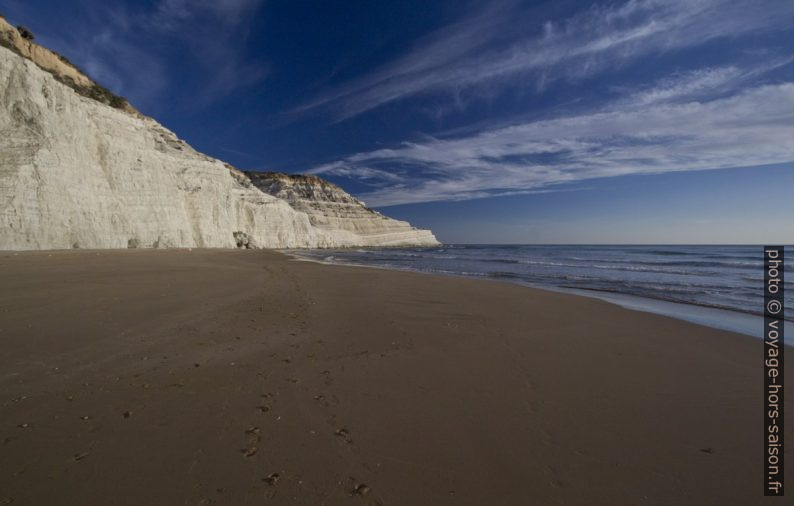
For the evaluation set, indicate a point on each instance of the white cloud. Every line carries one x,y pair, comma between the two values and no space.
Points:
686,85
700,84
170,13
472,56
748,128
121,46
215,31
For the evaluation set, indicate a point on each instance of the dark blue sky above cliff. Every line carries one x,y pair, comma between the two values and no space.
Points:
500,121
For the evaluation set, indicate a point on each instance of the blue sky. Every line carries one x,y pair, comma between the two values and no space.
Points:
640,121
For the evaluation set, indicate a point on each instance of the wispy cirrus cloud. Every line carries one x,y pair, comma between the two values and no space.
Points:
171,13
701,83
488,49
136,49
214,31
652,134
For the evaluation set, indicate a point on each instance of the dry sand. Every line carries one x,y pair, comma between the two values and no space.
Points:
242,377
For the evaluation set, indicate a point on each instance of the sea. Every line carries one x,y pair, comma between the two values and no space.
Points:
718,286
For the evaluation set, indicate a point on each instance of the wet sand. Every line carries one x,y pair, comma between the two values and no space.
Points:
243,377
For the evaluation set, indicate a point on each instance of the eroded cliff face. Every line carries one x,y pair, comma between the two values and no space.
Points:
331,208
60,68
76,171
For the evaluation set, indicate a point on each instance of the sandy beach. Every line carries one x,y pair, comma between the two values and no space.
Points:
170,377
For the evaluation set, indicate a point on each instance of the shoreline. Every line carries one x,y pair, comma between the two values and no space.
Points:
710,316
234,376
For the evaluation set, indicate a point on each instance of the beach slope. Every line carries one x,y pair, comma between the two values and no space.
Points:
243,377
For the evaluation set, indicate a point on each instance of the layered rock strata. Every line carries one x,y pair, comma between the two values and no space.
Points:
85,171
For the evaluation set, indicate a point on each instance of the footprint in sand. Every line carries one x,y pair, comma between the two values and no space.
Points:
253,440
361,490
345,434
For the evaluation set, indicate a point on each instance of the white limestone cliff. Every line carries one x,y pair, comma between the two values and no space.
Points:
78,172
331,208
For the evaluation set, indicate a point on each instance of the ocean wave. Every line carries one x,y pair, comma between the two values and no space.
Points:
664,252
500,260
503,274
724,277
